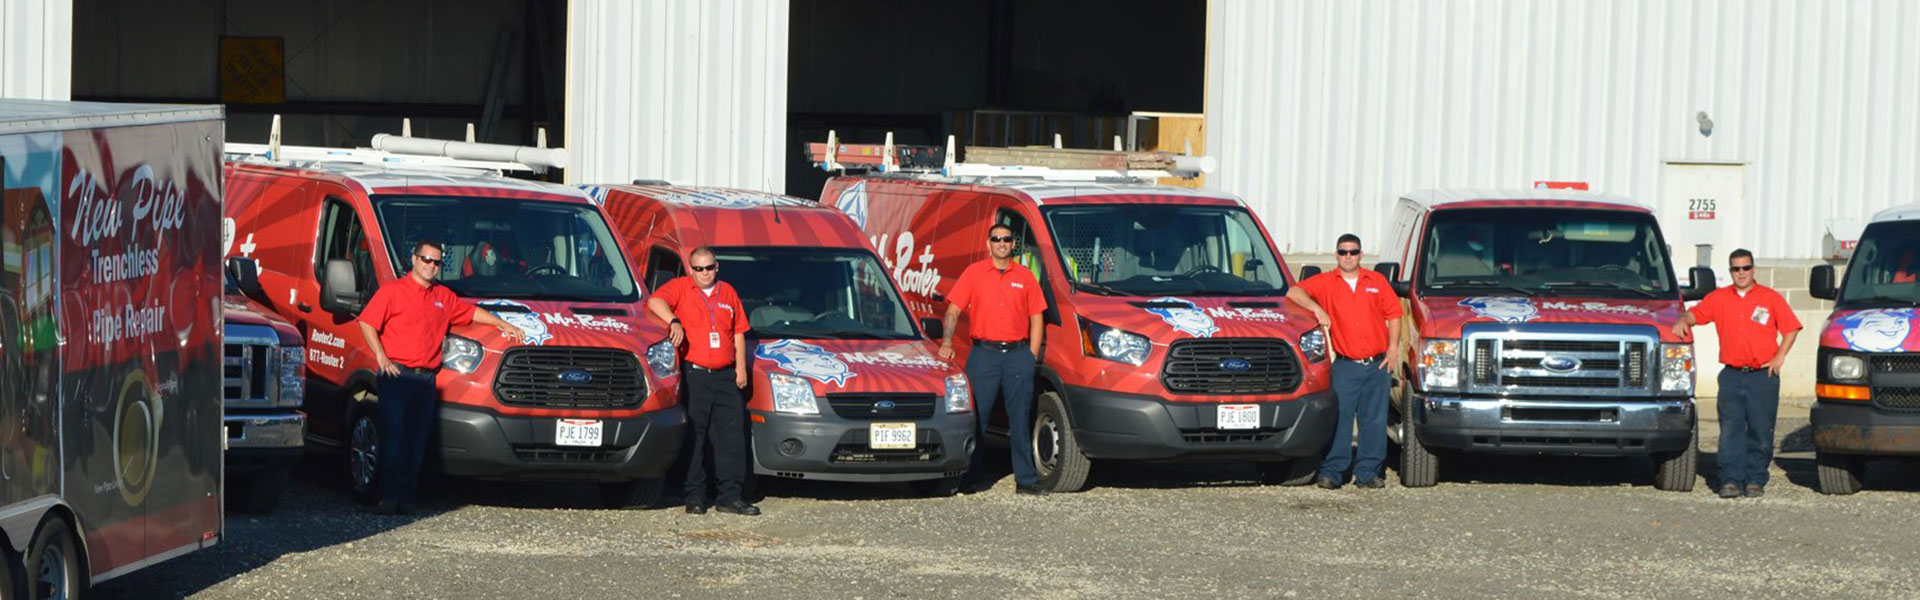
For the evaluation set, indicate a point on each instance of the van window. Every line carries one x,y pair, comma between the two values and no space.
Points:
1885,270
662,266
1165,249
1544,251
512,248
815,293
1024,250
342,238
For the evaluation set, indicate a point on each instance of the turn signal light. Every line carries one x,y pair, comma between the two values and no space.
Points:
1828,391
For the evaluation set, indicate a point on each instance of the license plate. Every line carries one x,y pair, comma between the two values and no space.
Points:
891,436
1239,416
577,432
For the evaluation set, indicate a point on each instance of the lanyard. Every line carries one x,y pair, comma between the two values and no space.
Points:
713,323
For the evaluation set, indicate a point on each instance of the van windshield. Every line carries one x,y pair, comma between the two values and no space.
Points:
1163,249
1545,251
511,248
1885,270
815,293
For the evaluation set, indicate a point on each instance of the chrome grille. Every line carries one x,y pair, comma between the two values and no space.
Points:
1585,361
1195,366
247,374
531,376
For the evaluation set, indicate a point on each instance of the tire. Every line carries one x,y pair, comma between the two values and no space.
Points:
1840,474
1056,454
259,493
936,488
362,456
632,495
54,568
1296,472
1418,465
1676,471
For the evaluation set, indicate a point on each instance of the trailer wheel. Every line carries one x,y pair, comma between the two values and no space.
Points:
1675,471
1056,455
636,494
363,451
54,569
1840,474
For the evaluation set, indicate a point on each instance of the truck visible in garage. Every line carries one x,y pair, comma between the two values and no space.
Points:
1868,385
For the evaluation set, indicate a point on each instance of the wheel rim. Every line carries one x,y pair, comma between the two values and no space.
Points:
365,453
1046,444
51,573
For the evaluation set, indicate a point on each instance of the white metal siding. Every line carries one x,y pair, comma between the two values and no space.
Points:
36,49
1322,111
691,91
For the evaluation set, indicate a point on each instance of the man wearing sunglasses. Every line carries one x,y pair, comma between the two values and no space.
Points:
1756,329
405,324
705,313
1362,315
1004,302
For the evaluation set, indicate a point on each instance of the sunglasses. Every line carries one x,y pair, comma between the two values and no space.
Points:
1739,269
1000,239
432,261
1347,252
701,269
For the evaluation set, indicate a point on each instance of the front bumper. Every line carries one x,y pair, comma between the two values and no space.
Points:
835,449
1115,425
479,443
1860,428
258,442
1545,426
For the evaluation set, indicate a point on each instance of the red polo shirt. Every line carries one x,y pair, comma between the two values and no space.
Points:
1359,313
1749,326
703,315
999,304
412,320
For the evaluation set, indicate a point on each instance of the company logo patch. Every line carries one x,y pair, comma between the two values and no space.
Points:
1504,309
853,201
1188,318
524,318
1878,329
806,360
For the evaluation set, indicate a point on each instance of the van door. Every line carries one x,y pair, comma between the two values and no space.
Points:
335,345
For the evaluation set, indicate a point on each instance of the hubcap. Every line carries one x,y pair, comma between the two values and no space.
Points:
1046,444
52,573
365,452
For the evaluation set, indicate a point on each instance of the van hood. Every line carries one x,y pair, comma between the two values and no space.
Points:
1873,330
1168,318
241,310
856,366
1445,316
549,323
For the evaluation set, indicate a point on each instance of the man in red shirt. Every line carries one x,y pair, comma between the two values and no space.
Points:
1757,328
1363,315
405,323
705,313
1004,303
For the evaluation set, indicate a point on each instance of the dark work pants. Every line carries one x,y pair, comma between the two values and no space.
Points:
409,405
716,411
1004,375
1748,403
1361,390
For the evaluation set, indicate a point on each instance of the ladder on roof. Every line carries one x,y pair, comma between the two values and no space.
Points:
1052,164
408,151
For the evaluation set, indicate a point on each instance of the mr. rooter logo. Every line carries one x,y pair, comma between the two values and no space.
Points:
122,233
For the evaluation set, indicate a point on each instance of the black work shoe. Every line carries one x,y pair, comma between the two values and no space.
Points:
1755,491
1029,490
1327,483
1371,484
1729,490
696,507
739,507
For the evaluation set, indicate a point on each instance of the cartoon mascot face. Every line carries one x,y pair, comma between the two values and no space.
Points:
1878,329
806,360
1503,309
527,320
1188,318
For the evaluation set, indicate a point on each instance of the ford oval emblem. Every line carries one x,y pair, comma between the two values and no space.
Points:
1235,365
575,377
1560,364
883,405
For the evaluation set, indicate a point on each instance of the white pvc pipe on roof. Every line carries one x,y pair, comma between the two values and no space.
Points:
526,155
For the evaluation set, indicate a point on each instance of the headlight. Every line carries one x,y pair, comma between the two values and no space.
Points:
1439,364
663,360
1843,367
959,395
293,376
792,395
1314,345
1676,368
1114,344
460,354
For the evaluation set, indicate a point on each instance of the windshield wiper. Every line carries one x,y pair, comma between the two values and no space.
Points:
1099,289
1598,284
1480,283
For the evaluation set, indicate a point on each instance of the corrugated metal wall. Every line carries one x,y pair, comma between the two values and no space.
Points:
36,49
1322,111
690,92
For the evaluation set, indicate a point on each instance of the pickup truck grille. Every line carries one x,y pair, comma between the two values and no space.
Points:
550,377
247,375
1526,362
1200,366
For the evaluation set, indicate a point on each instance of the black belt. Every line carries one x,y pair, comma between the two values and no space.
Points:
1368,360
1002,346
407,369
1746,369
700,368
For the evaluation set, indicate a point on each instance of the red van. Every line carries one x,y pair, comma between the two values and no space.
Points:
844,385
1168,334
591,395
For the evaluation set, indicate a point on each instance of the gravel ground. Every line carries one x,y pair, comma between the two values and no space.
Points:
1494,527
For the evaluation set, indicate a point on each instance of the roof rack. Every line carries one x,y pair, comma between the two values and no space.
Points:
406,150
1052,164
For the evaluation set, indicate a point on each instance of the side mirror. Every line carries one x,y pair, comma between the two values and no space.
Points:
1702,284
936,330
1391,270
337,293
245,273
1820,283
1309,271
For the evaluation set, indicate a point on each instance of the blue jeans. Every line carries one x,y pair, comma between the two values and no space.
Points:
1748,403
409,405
1361,389
1004,375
